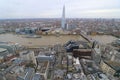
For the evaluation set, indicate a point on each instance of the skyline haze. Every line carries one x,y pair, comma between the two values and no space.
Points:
11,9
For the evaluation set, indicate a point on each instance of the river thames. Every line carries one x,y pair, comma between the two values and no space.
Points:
51,40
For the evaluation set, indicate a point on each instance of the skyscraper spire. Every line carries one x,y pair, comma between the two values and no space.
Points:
63,18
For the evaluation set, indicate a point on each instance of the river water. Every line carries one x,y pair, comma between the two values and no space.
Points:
50,40
44,40
104,39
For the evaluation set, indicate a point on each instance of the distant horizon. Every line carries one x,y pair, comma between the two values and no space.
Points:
54,18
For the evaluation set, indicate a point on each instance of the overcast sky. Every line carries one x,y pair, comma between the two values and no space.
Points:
53,8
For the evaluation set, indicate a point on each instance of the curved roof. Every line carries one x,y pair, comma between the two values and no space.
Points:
2,49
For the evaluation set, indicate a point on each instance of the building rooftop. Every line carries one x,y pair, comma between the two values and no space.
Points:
2,49
27,74
114,65
36,77
25,52
3,52
43,66
89,66
44,58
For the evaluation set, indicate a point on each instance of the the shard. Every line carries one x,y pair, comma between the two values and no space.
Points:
63,22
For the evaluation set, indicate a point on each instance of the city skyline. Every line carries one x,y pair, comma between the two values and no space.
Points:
53,9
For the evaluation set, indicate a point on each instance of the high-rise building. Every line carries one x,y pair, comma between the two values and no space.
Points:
63,22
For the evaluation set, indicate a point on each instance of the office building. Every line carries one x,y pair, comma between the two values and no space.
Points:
63,21
3,54
111,68
10,46
28,56
26,75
